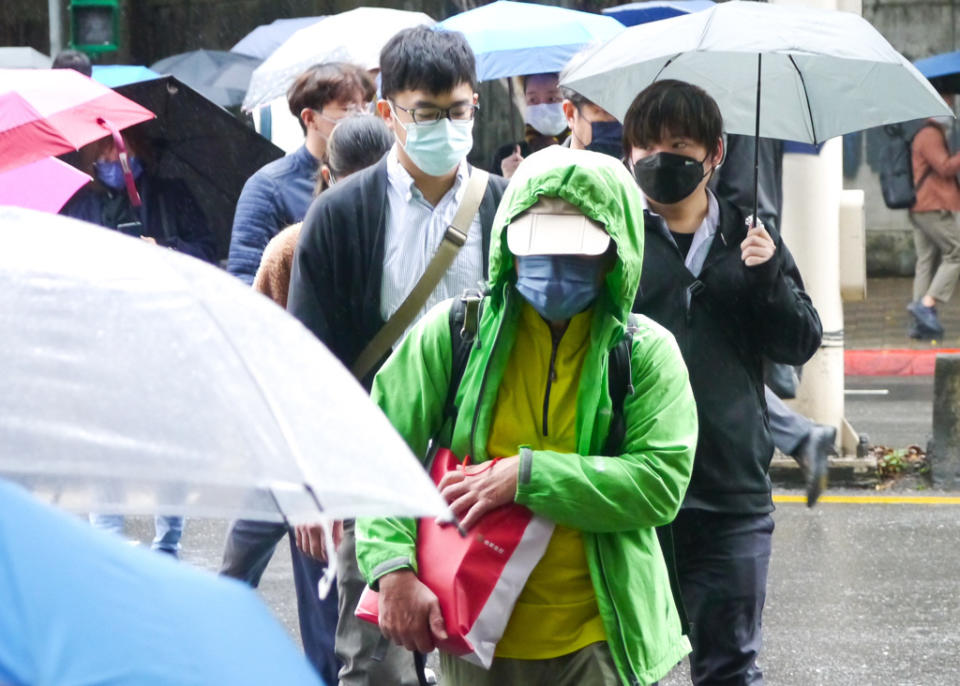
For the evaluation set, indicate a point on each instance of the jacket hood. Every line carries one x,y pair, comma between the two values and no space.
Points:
603,190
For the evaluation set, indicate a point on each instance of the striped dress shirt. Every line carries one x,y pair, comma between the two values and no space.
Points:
414,229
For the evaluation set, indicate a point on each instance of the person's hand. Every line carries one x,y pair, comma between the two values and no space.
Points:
149,239
757,247
310,539
474,490
410,612
508,165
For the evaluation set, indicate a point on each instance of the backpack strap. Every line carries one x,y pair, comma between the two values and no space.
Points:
464,322
620,385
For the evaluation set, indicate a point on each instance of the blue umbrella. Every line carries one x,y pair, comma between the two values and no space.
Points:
81,607
943,71
516,38
263,40
635,13
114,75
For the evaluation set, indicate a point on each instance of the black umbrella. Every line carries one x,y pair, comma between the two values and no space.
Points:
221,76
203,144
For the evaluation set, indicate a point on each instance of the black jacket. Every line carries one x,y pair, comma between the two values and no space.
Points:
338,267
737,315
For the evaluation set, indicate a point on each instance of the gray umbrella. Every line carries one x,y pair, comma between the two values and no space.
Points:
220,76
777,71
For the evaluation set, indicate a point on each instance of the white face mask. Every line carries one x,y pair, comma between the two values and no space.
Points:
547,118
437,148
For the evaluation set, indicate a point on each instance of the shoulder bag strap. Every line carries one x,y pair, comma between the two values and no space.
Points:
453,239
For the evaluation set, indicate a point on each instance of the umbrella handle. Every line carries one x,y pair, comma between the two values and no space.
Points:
756,147
132,192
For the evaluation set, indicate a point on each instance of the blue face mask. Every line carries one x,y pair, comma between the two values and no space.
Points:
606,137
559,286
110,174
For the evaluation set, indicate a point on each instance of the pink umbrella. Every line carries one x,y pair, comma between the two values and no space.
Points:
44,185
46,112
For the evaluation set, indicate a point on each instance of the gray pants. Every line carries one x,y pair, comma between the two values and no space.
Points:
357,640
937,239
590,666
789,429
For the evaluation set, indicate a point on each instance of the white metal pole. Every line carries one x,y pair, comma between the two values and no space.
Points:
56,27
812,187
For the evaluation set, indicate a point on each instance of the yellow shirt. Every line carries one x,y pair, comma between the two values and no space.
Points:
556,613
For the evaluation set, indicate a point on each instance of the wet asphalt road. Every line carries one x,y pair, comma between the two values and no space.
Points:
859,594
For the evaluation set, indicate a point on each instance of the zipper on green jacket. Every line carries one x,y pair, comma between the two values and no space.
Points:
551,375
486,373
634,681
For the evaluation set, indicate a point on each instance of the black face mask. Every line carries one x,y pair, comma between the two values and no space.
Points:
668,178
606,137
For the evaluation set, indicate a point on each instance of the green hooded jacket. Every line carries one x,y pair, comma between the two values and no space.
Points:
616,502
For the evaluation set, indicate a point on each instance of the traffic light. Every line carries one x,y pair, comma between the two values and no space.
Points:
93,25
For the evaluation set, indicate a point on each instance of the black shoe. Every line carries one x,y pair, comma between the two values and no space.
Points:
920,333
812,456
926,317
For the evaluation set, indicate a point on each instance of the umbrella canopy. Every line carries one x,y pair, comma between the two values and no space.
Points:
44,185
356,36
113,75
203,144
139,380
943,71
219,76
634,13
823,73
82,607
23,58
515,38
45,112
266,38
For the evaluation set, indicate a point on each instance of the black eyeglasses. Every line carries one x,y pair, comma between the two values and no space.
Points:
428,115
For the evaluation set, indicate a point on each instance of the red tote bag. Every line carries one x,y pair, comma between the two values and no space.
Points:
476,578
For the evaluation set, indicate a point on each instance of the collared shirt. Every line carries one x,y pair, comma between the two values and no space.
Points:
414,229
702,238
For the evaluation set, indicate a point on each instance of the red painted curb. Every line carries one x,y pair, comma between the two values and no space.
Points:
892,362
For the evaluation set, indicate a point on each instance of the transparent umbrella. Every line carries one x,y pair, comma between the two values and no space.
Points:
137,380
356,36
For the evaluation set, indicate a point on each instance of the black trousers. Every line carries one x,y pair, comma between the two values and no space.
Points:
721,567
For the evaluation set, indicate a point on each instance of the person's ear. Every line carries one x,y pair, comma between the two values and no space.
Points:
325,173
307,116
721,153
569,111
476,98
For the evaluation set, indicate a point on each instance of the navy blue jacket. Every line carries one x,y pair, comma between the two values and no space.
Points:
275,197
169,213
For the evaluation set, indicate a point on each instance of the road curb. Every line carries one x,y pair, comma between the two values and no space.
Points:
844,472
892,362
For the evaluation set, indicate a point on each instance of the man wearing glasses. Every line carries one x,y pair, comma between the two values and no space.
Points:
367,241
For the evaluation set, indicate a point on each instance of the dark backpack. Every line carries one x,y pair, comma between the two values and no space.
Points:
896,170
464,321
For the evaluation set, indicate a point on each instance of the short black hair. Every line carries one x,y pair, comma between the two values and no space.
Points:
672,108
323,84
356,143
421,58
73,59
573,96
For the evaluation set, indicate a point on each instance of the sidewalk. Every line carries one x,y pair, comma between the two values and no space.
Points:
875,332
